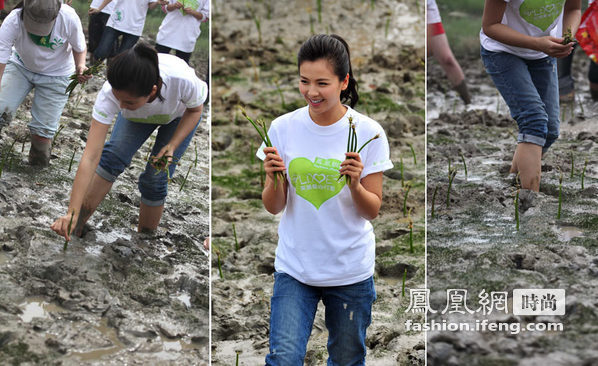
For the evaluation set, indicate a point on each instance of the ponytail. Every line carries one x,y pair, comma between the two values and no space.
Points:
334,49
136,71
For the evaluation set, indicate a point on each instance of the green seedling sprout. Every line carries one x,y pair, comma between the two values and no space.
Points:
93,70
410,232
405,199
311,25
219,264
572,164
434,200
72,159
568,36
277,84
558,214
260,127
401,170
450,168
386,26
66,242
319,8
237,360
162,164
256,74
516,202
464,164
60,128
185,179
195,161
235,236
258,25
413,153
583,173
452,174
404,280
352,145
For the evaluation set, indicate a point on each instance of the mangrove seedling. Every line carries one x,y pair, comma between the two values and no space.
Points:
195,161
434,200
386,27
583,172
410,226
277,84
260,127
185,179
413,153
568,36
572,164
60,128
237,360
558,214
93,70
72,159
405,199
319,8
66,242
452,174
464,164
352,145
517,210
219,264
404,280
162,164
235,236
311,25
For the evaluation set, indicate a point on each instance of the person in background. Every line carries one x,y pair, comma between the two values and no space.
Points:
49,46
181,26
438,46
97,24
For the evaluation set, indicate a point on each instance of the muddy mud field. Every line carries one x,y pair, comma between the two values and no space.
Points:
262,77
473,241
114,296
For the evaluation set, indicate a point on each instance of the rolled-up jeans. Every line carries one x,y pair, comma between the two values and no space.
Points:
49,98
126,138
530,89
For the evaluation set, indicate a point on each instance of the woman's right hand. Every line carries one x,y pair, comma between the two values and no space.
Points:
552,46
273,162
61,225
93,11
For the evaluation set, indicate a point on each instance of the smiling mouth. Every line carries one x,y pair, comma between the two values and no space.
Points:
315,101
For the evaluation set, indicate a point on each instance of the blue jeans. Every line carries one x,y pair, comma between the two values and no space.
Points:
108,46
126,138
530,89
293,308
48,101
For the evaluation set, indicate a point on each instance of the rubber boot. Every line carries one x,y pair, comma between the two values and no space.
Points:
39,154
461,88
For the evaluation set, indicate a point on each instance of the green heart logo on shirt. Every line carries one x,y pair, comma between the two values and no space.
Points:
541,13
316,182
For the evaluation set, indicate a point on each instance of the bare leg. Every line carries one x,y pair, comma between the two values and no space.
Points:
97,190
149,217
528,162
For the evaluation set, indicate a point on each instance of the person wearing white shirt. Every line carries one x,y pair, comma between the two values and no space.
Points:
41,45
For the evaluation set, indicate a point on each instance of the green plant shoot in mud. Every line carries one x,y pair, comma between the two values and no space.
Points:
311,25
235,236
572,164
558,214
405,199
237,360
434,200
464,164
72,159
413,153
219,264
7,156
277,84
195,160
258,25
404,280
583,173
516,202
60,128
256,74
93,70
66,242
450,168
319,8
410,226
452,174
185,179
162,164
386,26
352,144
568,36
260,127
401,170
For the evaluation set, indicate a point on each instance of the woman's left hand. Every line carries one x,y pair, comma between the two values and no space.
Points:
167,150
352,166
80,70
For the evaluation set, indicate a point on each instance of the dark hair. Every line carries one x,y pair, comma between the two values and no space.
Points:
334,49
136,71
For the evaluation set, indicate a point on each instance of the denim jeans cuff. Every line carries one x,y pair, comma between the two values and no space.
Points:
151,203
104,174
536,140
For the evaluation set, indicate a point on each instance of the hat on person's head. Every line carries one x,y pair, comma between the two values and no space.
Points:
39,16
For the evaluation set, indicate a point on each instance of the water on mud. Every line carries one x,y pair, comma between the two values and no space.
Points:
3,258
97,354
566,233
37,307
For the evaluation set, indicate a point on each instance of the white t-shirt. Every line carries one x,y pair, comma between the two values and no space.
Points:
322,239
181,89
180,31
107,9
129,16
55,58
533,18
433,15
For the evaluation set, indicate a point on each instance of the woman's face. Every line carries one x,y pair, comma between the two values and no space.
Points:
321,88
130,101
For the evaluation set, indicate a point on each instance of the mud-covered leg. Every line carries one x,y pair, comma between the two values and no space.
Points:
97,190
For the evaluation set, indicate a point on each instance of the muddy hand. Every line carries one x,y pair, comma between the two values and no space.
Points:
61,225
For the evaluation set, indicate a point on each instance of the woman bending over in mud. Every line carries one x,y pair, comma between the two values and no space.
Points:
326,244
144,91
518,48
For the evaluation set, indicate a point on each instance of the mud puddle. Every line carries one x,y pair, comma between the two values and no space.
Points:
474,243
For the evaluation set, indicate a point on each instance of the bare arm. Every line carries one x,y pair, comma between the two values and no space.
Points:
89,162
173,7
572,15
274,196
493,28
367,191
100,8
188,122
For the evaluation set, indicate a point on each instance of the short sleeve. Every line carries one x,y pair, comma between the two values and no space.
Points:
8,35
106,106
76,36
194,92
273,134
376,157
